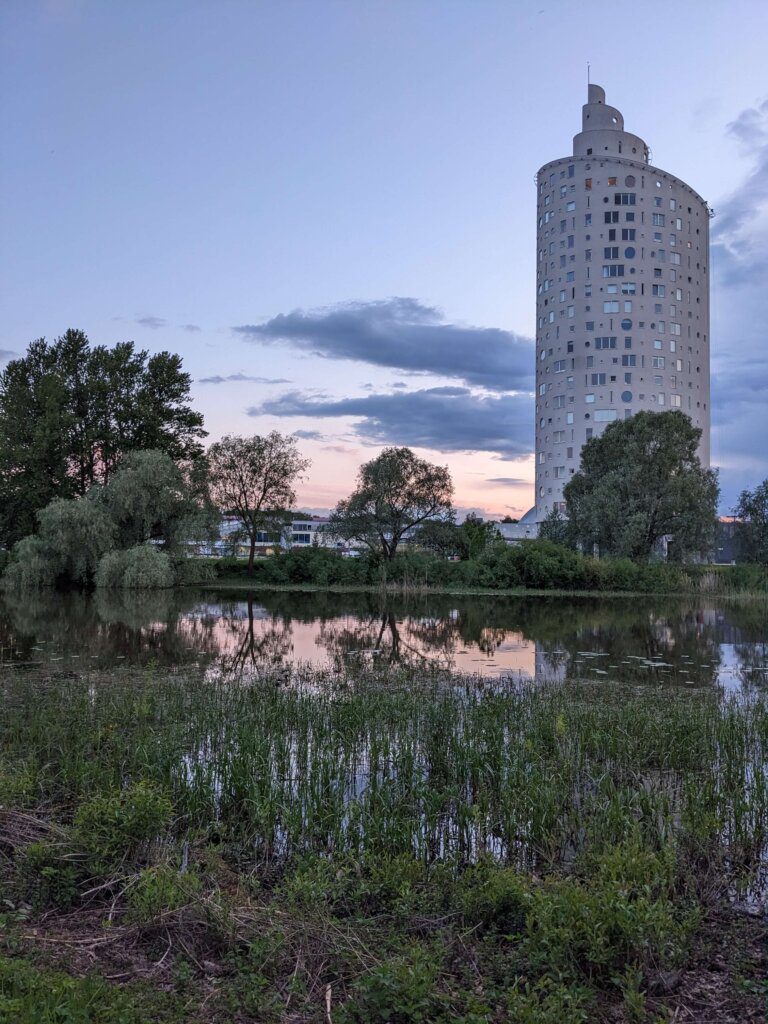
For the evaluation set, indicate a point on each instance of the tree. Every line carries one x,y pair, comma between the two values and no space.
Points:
442,537
752,531
70,412
253,479
104,535
641,480
477,535
395,492
555,527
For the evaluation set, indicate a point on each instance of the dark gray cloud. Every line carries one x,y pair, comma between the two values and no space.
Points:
242,377
404,334
447,419
192,328
739,260
151,321
507,481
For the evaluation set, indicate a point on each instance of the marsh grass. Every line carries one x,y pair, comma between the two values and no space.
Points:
423,845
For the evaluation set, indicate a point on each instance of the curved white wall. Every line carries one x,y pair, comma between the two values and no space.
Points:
622,304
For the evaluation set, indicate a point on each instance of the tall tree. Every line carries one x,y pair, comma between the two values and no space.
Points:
641,480
395,492
253,479
752,532
70,412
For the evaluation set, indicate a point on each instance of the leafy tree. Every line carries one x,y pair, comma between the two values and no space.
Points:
442,537
70,412
79,539
752,510
477,535
555,527
395,492
253,479
639,481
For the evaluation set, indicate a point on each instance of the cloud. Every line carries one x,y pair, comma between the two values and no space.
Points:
739,261
309,435
508,481
242,377
446,419
404,334
6,354
151,321
192,328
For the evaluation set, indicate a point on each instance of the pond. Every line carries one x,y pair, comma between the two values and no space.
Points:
682,642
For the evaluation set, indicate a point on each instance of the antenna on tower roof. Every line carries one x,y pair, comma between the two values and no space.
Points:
587,74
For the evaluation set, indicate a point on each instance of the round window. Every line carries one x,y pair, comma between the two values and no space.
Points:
626,396
629,252
626,325
541,492
542,422
629,181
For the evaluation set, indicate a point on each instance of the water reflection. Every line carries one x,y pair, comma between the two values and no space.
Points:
649,640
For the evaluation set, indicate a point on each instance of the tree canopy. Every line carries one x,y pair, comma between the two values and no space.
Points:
395,492
639,481
69,412
752,510
253,479
104,535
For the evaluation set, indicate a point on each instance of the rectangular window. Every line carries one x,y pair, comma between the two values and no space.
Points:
674,257
611,183
628,288
660,290
559,472
627,234
542,389
674,328
558,436
559,366
628,378
570,207
605,343
587,219
587,183
605,415
559,401
613,270
597,379
611,252
589,399
569,417
657,220
658,362
610,307
612,217
624,199
628,360
661,398
674,401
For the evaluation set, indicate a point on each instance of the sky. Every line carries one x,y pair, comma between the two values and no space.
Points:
327,207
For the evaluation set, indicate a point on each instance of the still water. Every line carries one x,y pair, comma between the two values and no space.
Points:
681,642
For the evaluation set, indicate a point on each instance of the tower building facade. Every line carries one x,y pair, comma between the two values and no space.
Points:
622,295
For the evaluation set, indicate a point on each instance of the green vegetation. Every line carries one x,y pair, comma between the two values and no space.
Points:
395,492
253,478
639,481
531,565
752,510
70,412
376,846
103,537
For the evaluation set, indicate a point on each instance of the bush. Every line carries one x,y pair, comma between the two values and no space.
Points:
48,875
494,899
160,890
120,827
31,566
139,568
401,990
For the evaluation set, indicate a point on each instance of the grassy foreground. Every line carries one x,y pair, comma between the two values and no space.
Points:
378,846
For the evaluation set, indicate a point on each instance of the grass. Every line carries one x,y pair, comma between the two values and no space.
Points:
377,846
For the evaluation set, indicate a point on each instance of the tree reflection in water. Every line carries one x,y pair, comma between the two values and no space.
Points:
652,640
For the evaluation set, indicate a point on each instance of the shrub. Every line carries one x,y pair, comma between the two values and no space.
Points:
48,875
494,899
401,990
140,568
31,566
160,890
120,826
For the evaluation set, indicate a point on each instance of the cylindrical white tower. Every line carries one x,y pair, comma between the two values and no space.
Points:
622,296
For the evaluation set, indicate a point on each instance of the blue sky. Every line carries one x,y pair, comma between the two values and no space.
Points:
328,207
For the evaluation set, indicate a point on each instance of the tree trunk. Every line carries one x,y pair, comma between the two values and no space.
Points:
251,554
